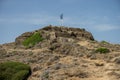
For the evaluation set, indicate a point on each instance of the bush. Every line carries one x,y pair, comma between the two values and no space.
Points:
104,42
14,71
102,50
32,40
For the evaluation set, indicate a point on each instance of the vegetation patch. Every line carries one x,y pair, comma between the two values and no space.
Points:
102,50
104,42
32,40
14,71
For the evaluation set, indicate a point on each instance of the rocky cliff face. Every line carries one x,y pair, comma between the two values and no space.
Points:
69,32
65,54
60,34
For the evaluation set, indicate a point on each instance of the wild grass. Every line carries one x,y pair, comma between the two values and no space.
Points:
32,40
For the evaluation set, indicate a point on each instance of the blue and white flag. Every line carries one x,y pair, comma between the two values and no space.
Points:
61,16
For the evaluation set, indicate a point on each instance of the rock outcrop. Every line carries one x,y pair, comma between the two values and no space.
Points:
69,32
54,35
22,37
53,32
65,54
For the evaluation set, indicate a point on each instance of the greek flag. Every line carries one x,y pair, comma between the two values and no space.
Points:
61,16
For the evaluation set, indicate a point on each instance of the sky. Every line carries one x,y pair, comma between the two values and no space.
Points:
100,17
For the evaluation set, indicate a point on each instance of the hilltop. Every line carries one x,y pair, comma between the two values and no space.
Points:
64,53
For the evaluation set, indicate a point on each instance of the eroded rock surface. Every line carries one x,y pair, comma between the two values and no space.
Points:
65,54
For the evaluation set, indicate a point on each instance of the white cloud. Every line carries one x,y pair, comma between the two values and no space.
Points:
69,1
106,27
36,19
28,19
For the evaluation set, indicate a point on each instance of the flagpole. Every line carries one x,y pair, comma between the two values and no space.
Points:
61,22
61,19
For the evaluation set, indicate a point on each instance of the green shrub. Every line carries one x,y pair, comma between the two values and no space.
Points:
32,40
102,50
104,42
21,75
14,71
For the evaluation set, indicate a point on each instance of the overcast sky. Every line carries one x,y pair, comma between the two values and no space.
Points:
100,17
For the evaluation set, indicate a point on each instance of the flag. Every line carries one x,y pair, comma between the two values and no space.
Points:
61,16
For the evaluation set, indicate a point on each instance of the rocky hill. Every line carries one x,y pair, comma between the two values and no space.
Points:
63,53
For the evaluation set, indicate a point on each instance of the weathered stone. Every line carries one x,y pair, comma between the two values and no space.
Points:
54,32
69,32
93,57
117,60
3,52
22,37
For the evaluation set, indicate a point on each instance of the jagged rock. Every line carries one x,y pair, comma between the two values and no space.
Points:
54,32
117,60
3,52
93,57
36,68
76,73
69,32
70,49
22,37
